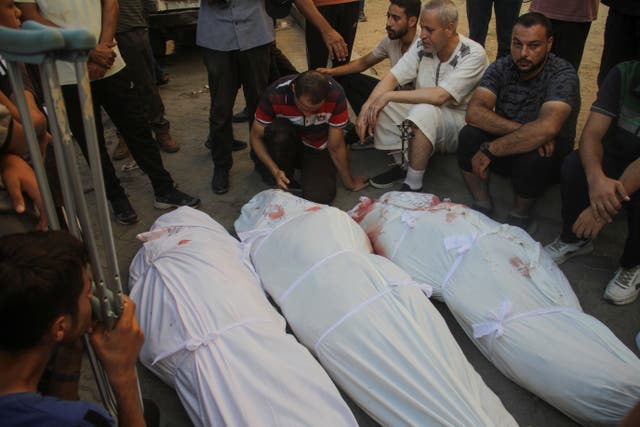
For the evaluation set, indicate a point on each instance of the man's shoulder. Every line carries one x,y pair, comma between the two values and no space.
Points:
470,47
560,66
35,409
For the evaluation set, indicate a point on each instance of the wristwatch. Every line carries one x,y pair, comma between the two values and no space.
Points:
484,149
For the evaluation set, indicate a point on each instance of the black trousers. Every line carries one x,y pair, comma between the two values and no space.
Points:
135,48
531,174
282,140
119,98
575,199
621,41
344,19
569,39
479,16
226,72
357,88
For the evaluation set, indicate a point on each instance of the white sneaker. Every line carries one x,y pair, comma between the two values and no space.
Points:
624,287
560,251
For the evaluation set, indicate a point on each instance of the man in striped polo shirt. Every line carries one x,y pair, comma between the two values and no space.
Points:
299,125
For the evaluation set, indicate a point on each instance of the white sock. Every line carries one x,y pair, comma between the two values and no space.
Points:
414,178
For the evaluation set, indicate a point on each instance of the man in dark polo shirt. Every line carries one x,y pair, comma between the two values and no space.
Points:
299,125
521,121
602,177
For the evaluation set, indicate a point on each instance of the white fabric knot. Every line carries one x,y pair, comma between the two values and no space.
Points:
461,243
496,325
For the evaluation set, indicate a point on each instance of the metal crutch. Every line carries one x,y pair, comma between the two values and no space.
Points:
40,45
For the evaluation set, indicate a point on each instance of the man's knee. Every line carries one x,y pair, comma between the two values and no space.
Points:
572,169
469,140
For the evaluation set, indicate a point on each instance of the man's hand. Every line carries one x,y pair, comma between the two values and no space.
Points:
338,49
326,71
103,54
480,165
359,183
281,179
588,224
547,149
366,121
96,71
606,196
18,177
118,349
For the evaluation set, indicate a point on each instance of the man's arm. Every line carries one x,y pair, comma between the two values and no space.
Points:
534,134
353,67
338,151
336,45
366,122
118,351
480,114
605,194
430,95
256,140
30,12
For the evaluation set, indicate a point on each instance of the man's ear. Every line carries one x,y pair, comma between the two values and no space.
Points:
549,43
413,21
59,328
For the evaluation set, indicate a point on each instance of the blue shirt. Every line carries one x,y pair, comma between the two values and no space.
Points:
236,25
31,409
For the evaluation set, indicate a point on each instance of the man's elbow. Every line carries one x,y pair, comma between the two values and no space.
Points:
473,116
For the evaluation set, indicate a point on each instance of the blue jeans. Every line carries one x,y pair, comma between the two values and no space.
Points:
479,16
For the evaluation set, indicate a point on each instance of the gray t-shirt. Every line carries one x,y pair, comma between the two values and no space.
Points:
520,100
130,16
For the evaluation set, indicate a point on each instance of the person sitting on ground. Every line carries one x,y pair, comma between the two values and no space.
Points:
112,88
446,67
402,20
521,121
299,125
45,294
602,177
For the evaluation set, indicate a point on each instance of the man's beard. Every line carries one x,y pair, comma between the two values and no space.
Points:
534,67
395,35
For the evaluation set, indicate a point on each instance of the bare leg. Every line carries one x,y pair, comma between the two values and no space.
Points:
420,149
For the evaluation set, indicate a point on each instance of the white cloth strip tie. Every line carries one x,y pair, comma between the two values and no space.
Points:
304,275
502,316
423,287
351,212
461,243
409,218
192,344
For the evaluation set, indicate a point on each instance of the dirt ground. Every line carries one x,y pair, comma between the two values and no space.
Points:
372,31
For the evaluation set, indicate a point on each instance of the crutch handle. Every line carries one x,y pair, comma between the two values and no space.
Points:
31,44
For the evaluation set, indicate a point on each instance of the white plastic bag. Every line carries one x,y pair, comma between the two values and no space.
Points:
512,301
213,336
364,318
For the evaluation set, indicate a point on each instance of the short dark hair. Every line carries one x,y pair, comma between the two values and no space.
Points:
530,19
411,7
312,84
40,280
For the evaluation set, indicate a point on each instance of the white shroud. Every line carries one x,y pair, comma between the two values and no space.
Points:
512,301
213,336
367,322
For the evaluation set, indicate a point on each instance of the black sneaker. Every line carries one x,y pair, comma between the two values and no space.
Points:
123,211
405,187
240,117
526,223
236,145
175,198
220,181
388,178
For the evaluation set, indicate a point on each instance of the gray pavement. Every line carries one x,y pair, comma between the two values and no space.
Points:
187,102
